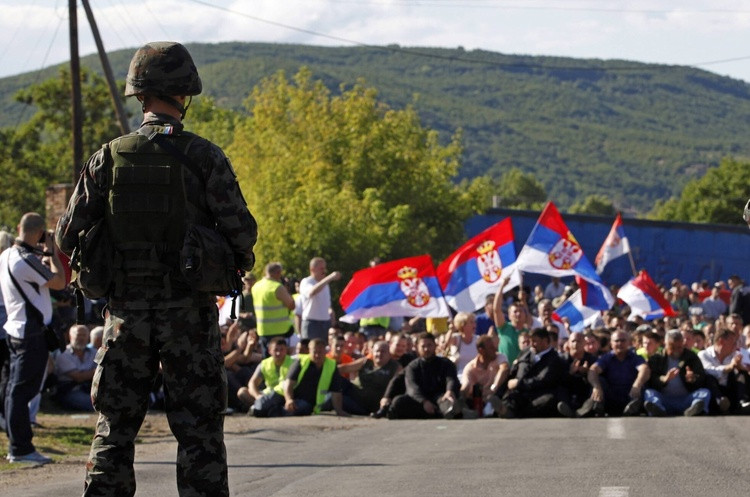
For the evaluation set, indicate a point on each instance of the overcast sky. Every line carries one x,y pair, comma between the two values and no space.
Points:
713,35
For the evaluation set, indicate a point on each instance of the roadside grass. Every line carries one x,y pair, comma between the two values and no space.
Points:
59,436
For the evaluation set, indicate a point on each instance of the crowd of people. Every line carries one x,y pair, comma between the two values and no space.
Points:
512,359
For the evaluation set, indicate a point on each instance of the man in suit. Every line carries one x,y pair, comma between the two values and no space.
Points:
534,380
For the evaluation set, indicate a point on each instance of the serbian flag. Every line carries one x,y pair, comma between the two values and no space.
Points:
644,297
552,249
477,268
405,287
584,307
615,245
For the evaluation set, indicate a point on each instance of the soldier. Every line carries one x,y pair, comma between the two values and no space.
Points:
150,187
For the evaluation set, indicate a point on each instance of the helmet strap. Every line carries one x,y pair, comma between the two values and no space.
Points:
174,103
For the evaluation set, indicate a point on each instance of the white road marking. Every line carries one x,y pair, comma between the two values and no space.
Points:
615,430
614,492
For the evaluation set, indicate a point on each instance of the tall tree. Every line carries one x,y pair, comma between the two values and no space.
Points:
521,190
346,177
717,197
39,153
594,204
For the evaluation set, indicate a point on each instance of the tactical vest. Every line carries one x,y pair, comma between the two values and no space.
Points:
147,209
271,313
324,383
271,375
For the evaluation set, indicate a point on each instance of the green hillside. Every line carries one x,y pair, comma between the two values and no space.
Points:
633,132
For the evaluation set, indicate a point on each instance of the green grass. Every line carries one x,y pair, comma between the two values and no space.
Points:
56,438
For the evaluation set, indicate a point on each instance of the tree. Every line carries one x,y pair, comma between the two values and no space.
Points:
594,204
519,190
346,177
717,197
38,153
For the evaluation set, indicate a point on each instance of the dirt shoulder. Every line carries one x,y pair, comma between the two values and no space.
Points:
153,437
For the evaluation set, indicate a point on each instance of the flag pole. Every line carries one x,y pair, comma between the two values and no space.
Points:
632,263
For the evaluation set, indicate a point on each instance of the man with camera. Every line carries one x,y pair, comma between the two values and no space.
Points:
26,281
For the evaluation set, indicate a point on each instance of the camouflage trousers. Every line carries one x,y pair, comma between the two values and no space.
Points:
186,342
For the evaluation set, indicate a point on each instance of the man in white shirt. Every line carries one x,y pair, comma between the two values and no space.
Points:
316,300
726,373
26,281
554,289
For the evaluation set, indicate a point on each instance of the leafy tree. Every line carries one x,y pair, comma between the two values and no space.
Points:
346,177
717,197
594,204
38,153
519,190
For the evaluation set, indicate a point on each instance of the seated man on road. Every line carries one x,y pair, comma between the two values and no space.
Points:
534,381
431,385
677,383
726,376
373,377
312,380
486,374
269,374
576,387
74,368
617,379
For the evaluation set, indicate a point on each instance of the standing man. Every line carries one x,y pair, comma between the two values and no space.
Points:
148,187
316,300
508,331
272,305
26,281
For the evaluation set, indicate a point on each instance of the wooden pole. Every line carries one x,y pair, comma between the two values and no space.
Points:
75,80
119,109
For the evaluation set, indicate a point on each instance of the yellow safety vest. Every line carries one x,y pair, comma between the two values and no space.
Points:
271,314
324,383
271,375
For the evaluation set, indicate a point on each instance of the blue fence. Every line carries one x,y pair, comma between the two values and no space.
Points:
690,252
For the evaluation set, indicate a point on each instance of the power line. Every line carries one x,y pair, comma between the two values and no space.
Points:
493,4
41,69
453,58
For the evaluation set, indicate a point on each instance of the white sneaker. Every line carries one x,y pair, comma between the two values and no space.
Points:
33,458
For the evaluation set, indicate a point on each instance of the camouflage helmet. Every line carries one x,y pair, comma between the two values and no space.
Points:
162,68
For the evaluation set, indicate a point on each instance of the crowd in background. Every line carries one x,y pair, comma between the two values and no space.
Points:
494,362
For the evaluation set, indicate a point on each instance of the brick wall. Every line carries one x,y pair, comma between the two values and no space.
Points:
56,202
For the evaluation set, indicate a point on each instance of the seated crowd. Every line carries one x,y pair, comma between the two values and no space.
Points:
512,361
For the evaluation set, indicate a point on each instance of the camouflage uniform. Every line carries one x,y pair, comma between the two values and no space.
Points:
148,325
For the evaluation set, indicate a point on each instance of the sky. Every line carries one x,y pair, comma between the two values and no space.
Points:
712,35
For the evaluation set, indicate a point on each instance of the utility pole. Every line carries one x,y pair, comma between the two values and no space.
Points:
119,110
75,77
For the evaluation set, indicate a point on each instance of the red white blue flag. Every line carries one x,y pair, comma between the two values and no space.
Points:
552,249
477,267
405,287
644,297
584,307
615,245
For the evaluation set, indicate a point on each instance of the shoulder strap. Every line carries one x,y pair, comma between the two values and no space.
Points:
15,284
159,139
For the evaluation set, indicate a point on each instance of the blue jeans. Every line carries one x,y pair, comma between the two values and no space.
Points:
677,405
28,360
76,397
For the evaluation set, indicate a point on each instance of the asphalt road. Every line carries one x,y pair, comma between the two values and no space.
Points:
329,456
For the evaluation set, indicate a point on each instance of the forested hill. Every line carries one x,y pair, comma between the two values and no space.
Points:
633,132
